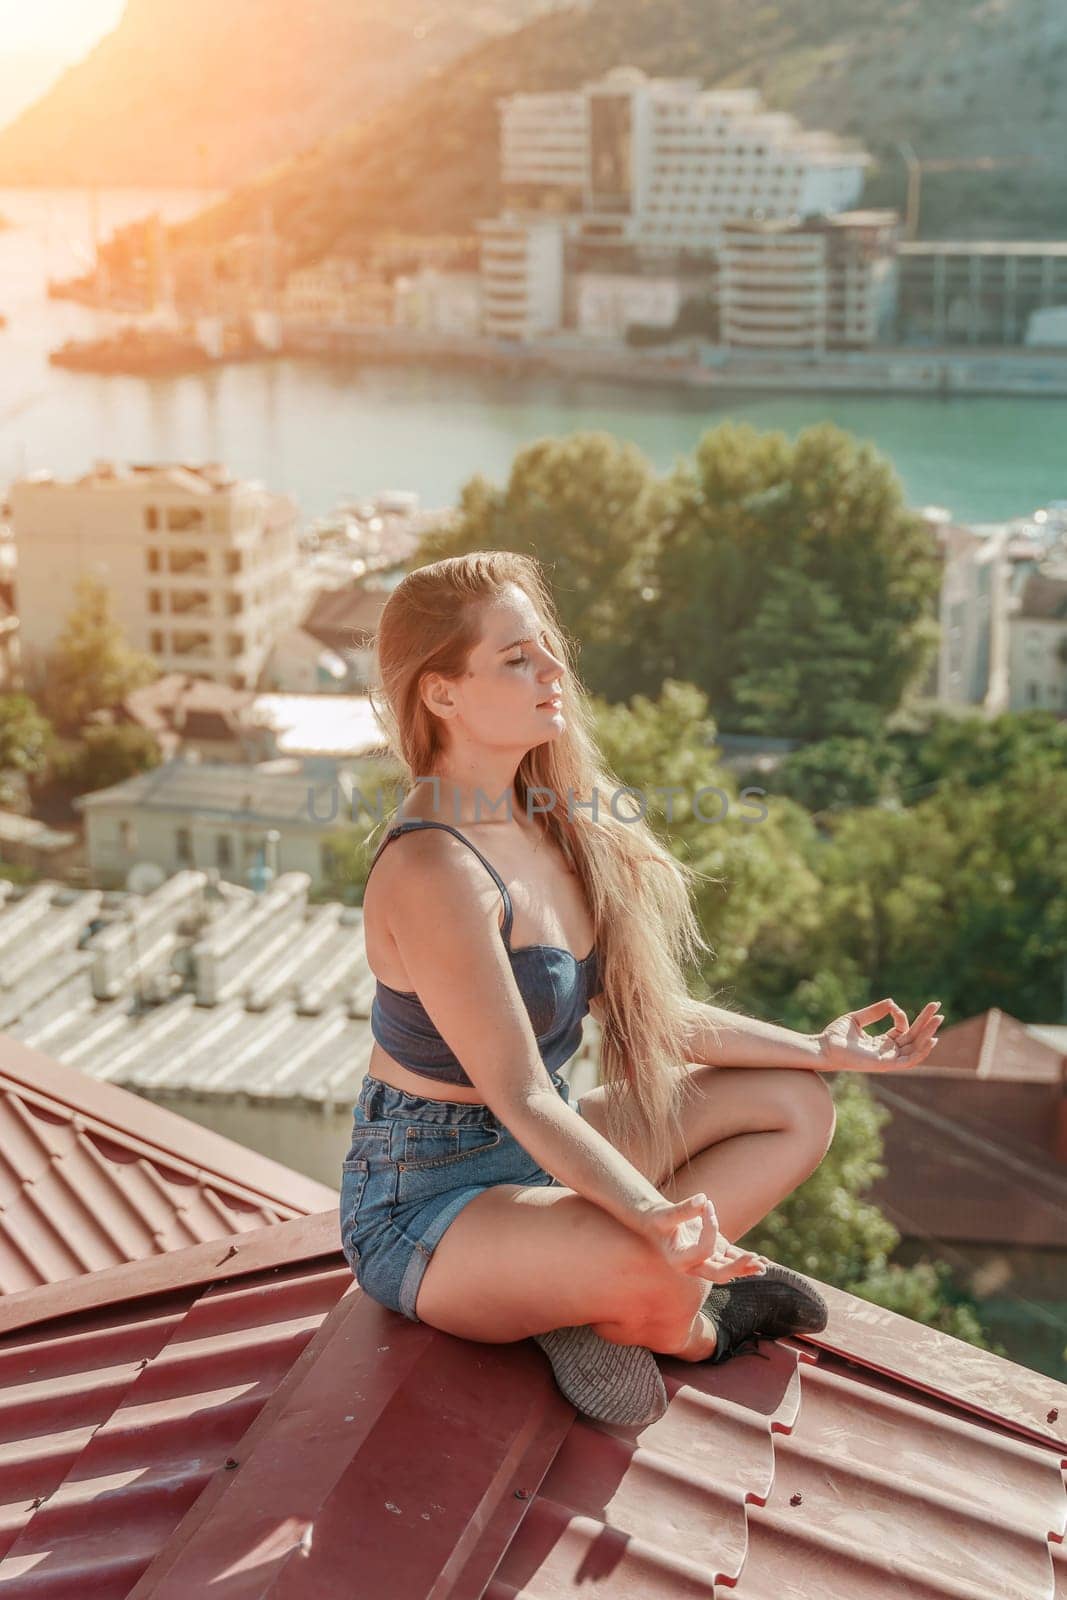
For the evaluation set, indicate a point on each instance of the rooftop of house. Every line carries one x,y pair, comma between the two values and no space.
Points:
247,1419
347,616
143,990
232,789
321,724
95,1177
199,1397
178,707
208,477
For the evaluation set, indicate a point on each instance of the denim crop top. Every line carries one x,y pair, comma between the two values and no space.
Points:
555,986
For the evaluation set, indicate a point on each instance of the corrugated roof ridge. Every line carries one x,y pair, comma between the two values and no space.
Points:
1027,1403
161,1135
224,1352
919,1585
396,1373
304,1238
990,1034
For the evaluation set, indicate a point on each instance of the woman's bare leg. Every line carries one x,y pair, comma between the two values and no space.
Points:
748,1169
519,1260
753,1135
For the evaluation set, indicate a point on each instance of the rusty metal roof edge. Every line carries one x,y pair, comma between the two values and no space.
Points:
1029,1404
172,1135
278,1244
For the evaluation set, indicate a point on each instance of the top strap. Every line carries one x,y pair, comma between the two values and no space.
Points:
426,822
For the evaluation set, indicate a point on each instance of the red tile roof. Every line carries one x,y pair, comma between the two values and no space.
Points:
245,1422
92,1176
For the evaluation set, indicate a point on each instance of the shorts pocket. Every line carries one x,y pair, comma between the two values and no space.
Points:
429,1145
354,1175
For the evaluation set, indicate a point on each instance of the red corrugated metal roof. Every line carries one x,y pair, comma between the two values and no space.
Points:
92,1175
244,1422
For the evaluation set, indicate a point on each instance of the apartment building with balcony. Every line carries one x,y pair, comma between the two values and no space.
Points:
200,565
663,164
522,273
827,283
773,287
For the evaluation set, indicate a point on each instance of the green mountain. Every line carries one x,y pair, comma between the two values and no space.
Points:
206,93
978,87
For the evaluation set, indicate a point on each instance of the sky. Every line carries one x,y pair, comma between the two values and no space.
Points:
65,27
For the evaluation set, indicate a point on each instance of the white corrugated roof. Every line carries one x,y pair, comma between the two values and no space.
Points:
199,987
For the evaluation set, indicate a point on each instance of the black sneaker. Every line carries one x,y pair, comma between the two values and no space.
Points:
778,1301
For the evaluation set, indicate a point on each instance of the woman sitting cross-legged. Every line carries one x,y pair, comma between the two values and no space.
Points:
519,889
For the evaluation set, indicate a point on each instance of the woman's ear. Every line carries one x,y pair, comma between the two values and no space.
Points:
436,695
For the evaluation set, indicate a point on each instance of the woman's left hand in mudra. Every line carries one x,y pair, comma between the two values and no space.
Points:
846,1047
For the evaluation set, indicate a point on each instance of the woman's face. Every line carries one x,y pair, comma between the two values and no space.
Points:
511,673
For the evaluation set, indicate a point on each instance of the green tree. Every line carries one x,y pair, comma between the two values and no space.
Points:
974,750
838,773
348,855
92,666
962,897
26,744
752,506
582,506
753,874
350,849
106,755
803,667
759,887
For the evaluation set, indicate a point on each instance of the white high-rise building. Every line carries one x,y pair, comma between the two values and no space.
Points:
199,564
522,276
662,164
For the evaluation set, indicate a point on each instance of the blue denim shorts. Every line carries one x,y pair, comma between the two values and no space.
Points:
412,1166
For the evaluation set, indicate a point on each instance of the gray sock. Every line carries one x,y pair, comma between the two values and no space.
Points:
618,1383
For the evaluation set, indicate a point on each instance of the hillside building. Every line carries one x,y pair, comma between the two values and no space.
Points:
662,163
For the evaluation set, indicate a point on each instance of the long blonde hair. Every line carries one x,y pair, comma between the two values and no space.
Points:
637,890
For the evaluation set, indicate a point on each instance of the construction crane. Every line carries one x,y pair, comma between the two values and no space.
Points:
916,167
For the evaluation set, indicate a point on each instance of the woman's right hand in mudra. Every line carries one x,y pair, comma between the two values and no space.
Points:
686,1234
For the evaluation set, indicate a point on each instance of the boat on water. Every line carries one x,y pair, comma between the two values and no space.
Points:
133,351
155,351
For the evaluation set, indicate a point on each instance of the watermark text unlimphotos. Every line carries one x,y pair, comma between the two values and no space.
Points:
706,804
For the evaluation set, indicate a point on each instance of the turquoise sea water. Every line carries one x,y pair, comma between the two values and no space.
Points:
321,430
